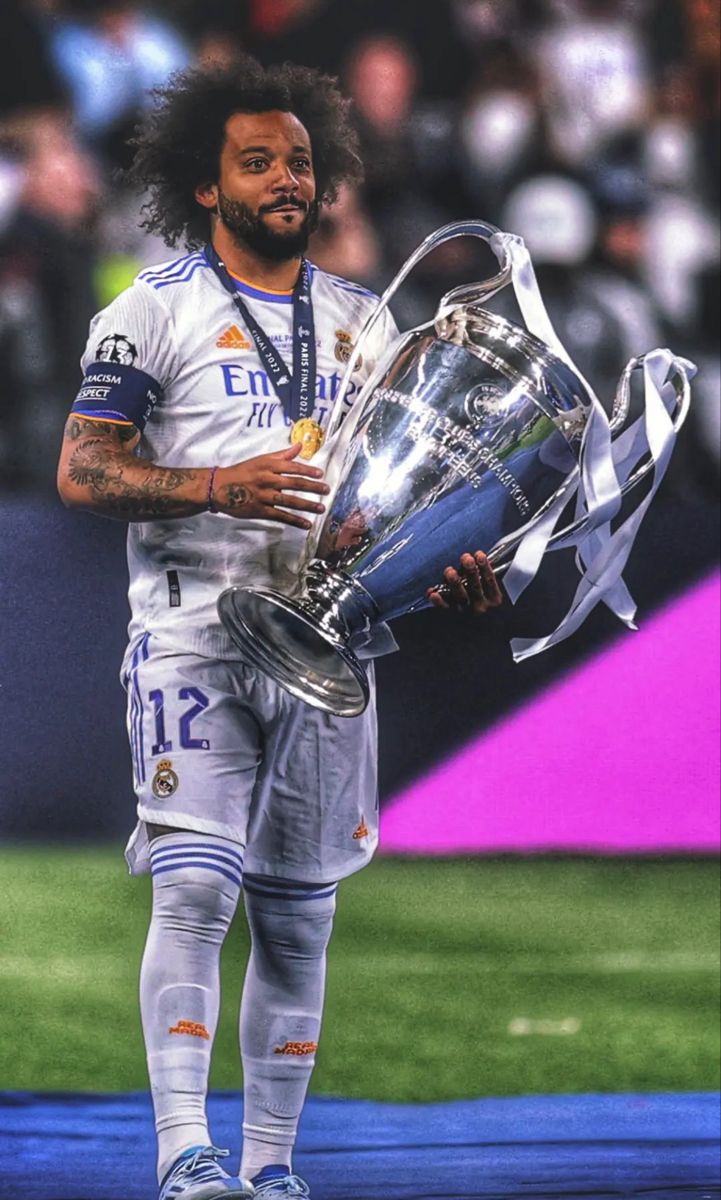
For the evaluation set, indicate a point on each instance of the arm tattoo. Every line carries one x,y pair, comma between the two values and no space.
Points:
78,429
118,483
237,496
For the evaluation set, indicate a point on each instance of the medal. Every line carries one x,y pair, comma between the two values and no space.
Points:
310,433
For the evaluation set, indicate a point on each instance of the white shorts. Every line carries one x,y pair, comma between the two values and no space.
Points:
219,748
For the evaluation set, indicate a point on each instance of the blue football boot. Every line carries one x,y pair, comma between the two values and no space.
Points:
197,1176
274,1184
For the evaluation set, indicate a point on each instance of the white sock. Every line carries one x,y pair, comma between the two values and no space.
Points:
281,1013
196,885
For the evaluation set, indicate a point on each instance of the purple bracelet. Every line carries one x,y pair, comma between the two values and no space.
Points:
211,480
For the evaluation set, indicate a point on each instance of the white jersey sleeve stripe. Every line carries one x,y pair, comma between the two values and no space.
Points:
174,268
197,266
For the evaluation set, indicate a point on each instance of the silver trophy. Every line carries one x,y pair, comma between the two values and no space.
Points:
471,433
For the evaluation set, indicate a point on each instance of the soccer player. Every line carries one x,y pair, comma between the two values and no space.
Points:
207,386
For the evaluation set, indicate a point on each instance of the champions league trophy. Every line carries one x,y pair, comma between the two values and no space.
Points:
471,433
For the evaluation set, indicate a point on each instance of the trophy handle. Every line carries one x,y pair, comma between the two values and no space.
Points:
465,294
501,555
681,385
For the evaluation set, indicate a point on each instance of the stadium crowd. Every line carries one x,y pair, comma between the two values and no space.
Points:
590,127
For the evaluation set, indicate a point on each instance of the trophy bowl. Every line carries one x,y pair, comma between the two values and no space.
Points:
468,431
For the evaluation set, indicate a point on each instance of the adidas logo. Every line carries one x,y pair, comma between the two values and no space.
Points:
362,831
233,339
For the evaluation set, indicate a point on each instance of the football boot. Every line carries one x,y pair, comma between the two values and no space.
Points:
196,1175
272,1185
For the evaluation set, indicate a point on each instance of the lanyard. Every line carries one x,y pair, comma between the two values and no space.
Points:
296,394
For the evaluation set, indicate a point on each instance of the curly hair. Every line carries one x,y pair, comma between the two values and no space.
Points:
178,146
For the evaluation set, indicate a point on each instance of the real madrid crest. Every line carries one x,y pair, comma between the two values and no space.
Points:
165,781
344,348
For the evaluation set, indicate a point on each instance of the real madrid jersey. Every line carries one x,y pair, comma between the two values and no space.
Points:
171,354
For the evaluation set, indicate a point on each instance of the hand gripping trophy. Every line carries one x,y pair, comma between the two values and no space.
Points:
472,430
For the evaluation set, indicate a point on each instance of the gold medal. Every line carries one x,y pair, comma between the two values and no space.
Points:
309,433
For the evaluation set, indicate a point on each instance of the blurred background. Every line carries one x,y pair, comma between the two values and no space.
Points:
591,128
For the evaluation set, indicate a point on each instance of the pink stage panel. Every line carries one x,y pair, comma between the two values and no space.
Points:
621,756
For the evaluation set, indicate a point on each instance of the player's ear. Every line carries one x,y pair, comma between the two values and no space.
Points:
207,195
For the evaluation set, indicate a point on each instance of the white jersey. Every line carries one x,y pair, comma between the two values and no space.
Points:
211,402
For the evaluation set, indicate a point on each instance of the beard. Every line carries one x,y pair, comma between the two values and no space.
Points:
249,229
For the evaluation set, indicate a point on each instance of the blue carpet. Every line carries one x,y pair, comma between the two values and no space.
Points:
85,1147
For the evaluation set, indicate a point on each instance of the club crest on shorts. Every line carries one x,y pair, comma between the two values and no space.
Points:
344,348
165,781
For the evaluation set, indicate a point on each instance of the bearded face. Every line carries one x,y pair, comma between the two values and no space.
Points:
275,238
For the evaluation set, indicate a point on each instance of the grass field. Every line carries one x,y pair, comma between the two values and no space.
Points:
447,979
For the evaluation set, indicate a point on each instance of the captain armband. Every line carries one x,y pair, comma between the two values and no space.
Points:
117,392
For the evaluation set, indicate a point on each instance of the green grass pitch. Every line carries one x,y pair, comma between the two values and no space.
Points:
447,979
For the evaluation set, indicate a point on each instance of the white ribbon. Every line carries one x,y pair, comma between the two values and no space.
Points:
605,465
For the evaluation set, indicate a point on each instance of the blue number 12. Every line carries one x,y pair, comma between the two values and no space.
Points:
201,703
161,745
164,745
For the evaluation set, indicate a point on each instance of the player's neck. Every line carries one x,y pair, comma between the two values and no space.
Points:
252,267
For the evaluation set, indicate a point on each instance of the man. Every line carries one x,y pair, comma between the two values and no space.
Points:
225,364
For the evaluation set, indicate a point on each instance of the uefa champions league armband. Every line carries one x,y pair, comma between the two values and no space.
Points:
117,392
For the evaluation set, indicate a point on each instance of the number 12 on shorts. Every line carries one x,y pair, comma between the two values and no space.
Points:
163,744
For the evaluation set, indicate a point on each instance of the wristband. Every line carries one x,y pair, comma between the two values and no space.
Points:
211,481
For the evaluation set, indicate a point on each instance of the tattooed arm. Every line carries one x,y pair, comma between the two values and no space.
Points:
99,471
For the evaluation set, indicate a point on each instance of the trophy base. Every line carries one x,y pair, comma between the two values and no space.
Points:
279,637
